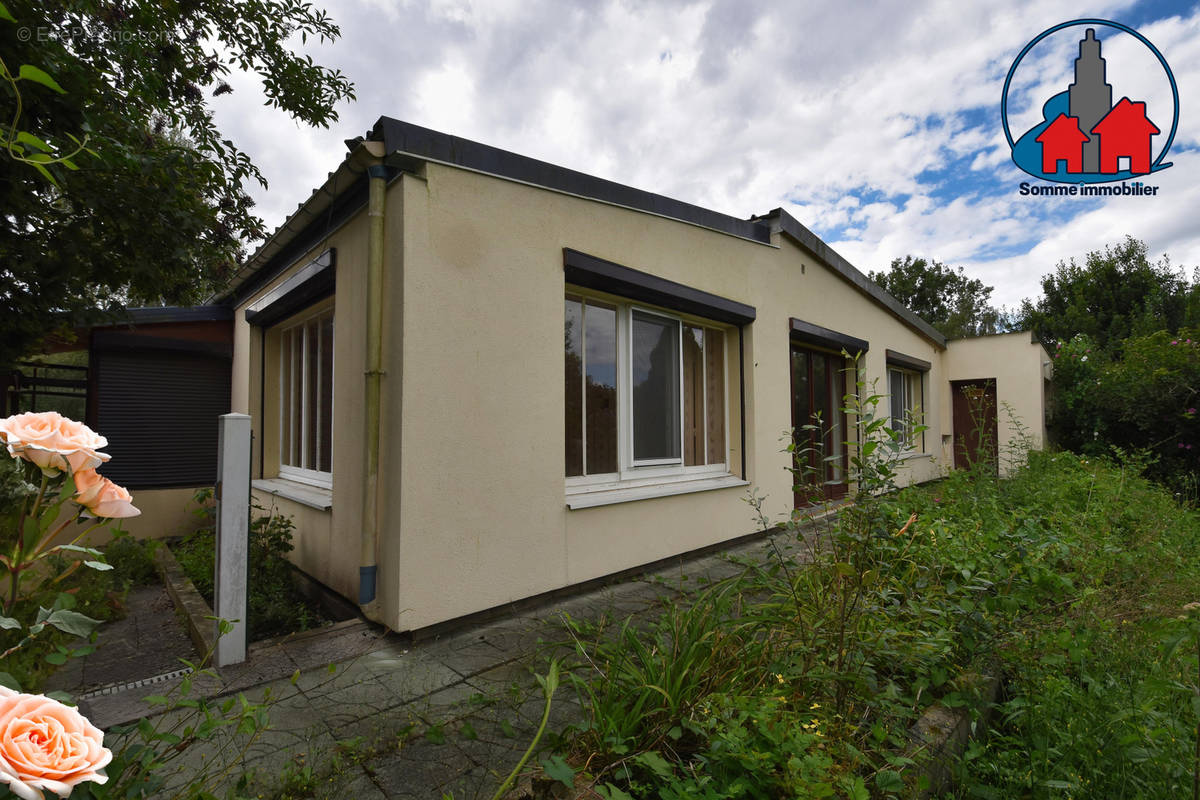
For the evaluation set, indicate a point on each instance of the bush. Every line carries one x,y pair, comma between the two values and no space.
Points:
1076,578
132,560
274,606
1143,399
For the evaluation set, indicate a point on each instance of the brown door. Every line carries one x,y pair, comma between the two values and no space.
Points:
818,425
974,422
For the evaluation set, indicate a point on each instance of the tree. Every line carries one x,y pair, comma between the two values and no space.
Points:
1142,400
957,306
154,210
1117,293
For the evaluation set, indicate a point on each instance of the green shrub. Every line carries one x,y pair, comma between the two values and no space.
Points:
1071,578
274,606
1145,398
132,560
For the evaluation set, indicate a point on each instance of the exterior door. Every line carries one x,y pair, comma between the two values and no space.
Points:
974,422
818,425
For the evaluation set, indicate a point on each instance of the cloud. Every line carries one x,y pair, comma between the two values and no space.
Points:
876,124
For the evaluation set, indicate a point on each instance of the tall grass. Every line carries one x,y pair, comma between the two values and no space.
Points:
802,677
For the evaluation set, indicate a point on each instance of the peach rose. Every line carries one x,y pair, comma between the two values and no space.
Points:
52,442
47,745
80,443
88,484
34,437
102,497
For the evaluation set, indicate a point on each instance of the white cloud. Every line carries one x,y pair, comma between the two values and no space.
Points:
745,106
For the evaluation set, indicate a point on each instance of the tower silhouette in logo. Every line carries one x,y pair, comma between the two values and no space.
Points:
1090,97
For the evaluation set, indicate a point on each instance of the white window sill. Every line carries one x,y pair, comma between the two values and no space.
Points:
585,498
305,495
915,456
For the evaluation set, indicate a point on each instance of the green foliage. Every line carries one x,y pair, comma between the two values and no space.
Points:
1095,705
1144,399
274,606
957,306
755,746
132,560
47,601
1117,293
145,753
154,208
642,684
1064,577
95,594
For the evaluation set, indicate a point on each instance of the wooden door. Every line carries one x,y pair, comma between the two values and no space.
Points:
818,384
974,422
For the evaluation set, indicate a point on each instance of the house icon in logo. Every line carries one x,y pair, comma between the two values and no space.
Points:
1083,136
1124,133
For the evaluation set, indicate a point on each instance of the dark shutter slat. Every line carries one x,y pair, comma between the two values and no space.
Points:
159,411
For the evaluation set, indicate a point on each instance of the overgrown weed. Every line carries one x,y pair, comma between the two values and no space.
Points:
1068,576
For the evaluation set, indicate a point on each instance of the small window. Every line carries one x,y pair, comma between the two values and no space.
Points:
645,392
591,388
306,399
907,401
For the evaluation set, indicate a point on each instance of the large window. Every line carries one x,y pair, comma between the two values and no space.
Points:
306,398
645,392
907,398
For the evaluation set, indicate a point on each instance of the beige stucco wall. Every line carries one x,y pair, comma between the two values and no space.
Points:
1021,368
482,518
326,541
165,513
472,469
796,285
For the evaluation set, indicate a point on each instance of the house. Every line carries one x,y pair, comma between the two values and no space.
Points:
1062,141
475,377
1125,133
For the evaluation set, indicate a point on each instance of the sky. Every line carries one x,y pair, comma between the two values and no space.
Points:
877,125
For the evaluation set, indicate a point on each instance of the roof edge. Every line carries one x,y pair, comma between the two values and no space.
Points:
148,315
831,258
403,139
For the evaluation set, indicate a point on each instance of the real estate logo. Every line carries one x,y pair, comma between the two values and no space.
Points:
1084,137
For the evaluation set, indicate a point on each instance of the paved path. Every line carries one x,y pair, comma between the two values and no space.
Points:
146,642
377,717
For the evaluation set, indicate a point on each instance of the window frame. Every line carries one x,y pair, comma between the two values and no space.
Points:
650,472
835,440
310,477
915,411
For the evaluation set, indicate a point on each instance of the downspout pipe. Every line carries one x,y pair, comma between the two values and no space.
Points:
377,177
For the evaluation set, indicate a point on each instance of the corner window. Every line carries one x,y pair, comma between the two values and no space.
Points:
645,393
907,400
306,399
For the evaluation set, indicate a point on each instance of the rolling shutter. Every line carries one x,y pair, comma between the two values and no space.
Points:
158,407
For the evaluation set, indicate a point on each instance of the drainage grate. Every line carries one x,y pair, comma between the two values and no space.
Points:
166,676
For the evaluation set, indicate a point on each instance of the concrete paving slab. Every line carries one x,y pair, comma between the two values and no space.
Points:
523,636
384,730
411,675
447,705
479,783
357,785
422,766
338,642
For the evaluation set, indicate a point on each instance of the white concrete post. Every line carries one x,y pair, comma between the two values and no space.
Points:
233,536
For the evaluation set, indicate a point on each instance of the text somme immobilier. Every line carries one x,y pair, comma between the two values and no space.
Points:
1088,190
